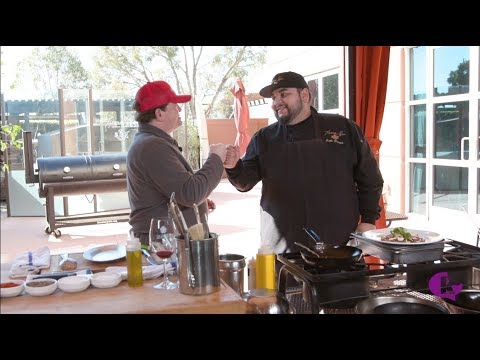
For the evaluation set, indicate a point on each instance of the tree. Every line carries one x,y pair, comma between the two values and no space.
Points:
461,75
9,138
203,72
53,67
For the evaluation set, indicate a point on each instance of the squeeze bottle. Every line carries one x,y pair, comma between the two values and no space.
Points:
265,264
134,263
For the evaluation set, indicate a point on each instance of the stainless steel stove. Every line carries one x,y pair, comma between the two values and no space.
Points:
339,290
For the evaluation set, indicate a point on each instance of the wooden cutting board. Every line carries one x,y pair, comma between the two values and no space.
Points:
83,263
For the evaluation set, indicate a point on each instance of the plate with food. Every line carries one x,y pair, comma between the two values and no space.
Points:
403,236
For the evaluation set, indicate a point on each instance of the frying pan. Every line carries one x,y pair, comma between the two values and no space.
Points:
467,301
399,305
330,255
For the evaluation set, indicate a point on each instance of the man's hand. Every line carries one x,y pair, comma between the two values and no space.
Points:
211,205
220,150
232,157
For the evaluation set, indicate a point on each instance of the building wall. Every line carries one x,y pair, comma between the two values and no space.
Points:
392,134
224,130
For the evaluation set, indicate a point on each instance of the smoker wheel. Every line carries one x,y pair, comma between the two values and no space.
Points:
56,233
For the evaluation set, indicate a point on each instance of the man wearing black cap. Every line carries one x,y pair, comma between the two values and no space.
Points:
156,167
317,171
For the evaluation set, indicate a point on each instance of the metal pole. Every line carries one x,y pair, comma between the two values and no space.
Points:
91,128
61,109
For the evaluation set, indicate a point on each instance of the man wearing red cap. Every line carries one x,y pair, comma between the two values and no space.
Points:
317,171
156,167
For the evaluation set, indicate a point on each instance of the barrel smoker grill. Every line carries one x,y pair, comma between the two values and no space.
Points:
76,175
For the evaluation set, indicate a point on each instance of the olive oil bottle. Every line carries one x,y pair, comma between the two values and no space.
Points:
134,263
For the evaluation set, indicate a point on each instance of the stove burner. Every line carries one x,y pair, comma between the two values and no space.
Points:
342,288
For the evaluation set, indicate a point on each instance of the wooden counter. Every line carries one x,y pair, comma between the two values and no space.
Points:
125,300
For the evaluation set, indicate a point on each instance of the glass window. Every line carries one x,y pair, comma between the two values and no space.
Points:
418,81
418,198
325,92
450,187
114,124
418,131
330,92
451,70
451,130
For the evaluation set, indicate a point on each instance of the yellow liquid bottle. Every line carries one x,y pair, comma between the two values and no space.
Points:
134,263
265,269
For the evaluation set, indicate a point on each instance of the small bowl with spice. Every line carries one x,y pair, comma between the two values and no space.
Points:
12,288
41,287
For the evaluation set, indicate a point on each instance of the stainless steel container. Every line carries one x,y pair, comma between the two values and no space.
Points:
399,254
198,266
232,271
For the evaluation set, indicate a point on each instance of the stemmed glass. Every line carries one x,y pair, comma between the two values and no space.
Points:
163,243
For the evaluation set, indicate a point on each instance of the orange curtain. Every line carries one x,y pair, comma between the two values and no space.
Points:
371,76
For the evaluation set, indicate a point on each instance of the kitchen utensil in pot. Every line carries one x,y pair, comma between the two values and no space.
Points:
314,236
307,248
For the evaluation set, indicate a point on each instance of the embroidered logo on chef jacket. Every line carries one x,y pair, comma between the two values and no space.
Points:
331,136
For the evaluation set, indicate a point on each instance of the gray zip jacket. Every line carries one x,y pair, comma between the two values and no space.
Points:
156,168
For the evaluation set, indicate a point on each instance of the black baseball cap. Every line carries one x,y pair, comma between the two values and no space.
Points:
287,79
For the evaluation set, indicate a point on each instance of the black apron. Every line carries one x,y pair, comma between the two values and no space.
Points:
310,184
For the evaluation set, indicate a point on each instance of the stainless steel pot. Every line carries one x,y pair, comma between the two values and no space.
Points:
399,305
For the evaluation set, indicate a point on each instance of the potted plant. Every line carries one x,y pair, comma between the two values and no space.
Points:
8,138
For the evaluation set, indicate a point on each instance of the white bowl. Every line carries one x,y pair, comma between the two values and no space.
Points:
106,279
73,284
41,287
14,290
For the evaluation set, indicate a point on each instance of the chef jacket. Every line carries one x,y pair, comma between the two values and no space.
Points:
319,174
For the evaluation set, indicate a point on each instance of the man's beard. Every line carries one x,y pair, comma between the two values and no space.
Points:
292,112
284,120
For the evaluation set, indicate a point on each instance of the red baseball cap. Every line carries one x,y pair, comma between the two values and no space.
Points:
157,93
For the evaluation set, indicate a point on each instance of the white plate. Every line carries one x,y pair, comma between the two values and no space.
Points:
429,236
105,253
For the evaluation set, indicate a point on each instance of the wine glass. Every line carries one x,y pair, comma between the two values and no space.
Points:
163,243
